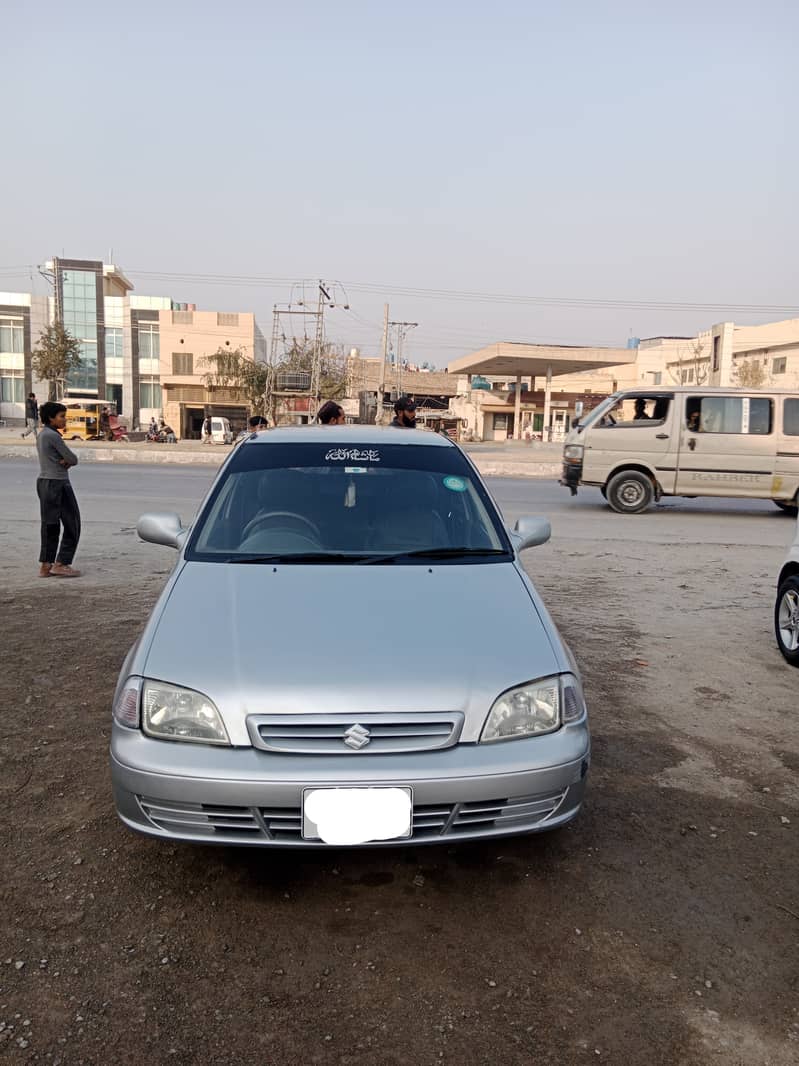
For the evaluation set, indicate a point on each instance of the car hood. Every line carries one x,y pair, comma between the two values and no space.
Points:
350,639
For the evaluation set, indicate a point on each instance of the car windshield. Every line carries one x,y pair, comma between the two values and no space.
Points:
310,502
601,409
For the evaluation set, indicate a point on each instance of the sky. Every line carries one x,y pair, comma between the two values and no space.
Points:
569,173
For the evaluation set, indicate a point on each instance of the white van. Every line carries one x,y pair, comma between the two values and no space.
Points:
641,444
221,433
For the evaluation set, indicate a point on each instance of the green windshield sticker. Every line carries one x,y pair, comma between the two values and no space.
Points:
455,484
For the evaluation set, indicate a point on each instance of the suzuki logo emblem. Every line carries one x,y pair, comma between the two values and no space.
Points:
356,737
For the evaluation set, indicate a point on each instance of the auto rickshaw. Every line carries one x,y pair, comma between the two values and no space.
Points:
88,420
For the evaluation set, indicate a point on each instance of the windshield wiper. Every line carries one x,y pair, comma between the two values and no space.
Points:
298,557
433,553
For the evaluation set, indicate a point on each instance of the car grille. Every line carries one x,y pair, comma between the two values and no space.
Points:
337,734
202,818
283,825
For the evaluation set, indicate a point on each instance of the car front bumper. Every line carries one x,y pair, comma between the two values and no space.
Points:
243,796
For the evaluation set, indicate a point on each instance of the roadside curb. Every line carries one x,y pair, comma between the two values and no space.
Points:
491,468
89,454
112,454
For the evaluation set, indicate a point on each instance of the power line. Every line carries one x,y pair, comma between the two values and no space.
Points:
471,296
418,292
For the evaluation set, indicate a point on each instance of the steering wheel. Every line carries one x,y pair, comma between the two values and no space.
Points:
262,519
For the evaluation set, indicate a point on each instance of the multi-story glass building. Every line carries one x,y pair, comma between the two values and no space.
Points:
146,353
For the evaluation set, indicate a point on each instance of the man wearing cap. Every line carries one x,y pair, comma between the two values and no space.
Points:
404,413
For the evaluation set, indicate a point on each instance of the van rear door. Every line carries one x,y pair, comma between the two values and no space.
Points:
786,467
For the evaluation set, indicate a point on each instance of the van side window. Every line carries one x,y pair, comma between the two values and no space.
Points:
730,414
636,412
790,418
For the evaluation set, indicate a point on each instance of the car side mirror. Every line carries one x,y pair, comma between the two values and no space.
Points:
162,528
529,531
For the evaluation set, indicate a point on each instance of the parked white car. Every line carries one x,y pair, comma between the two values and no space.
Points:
786,609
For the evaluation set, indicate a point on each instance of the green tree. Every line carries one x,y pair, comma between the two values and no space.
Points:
233,368
57,353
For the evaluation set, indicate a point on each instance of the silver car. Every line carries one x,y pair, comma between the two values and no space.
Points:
348,652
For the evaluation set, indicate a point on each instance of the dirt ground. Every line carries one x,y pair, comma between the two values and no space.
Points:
662,927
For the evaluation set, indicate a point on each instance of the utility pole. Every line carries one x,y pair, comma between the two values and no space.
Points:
319,340
381,384
272,363
402,329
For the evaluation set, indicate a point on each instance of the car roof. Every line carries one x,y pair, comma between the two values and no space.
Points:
349,435
700,390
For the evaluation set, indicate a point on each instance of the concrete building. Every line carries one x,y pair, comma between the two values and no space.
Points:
717,356
23,316
146,353
186,339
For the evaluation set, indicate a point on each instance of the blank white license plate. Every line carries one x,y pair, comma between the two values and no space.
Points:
359,815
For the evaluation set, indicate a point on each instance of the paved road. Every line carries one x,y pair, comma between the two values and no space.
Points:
112,498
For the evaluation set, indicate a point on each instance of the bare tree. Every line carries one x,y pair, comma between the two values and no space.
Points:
57,353
750,374
233,368
693,360
333,365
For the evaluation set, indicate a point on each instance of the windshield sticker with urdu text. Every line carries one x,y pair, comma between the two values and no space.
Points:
357,455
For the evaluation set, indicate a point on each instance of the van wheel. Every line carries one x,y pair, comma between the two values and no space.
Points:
786,619
788,508
630,492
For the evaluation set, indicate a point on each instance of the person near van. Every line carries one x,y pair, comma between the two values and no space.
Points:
404,413
31,416
331,414
58,506
207,430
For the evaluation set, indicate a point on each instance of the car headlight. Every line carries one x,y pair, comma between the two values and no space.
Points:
538,707
170,712
573,452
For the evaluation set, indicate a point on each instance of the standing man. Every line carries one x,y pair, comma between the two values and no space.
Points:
207,430
31,416
404,413
57,502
